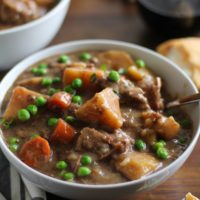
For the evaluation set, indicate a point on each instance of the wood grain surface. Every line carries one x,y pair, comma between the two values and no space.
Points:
114,19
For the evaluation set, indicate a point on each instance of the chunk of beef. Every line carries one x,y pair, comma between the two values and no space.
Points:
128,92
18,11
135,94
154,95
152,88
102,143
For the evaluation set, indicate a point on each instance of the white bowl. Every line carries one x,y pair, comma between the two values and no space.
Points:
177,83
19,42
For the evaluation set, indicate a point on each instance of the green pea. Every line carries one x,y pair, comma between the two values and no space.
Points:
32,109
47,81
70,119
40,101
42,66
69,90
52,91
34,70
77,83
185,123
159,144
162,153
13,140
52,121
104,67
56,79
122,71
13,147
113,76
163,142
34,135
63,59
77,99
140,63
68,176
23,115
85,56
83,171
61,165
140,145
41,71
86,160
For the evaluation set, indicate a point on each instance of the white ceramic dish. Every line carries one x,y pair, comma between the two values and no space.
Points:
177,83
18,42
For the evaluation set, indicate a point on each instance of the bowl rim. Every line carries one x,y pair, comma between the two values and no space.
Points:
81,43
36,22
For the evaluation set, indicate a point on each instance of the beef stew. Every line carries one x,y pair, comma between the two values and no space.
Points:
17,12
95,117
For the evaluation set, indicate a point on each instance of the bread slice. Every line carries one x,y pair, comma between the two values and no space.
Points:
185,52
189,196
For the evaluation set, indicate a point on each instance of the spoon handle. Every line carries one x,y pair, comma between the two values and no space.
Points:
183,101
190,98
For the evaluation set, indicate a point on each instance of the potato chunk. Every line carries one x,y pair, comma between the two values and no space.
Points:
32,83
116,59
21,98
83,73
168,128
134,73
134,165
102,109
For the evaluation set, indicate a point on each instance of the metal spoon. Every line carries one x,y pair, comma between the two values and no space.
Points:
183,101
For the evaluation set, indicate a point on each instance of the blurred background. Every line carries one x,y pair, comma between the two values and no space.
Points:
122,20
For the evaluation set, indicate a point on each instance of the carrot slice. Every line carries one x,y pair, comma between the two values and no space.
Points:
85,74
35,151
60,100
63,133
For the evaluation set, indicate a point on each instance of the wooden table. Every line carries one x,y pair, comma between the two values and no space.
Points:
113,19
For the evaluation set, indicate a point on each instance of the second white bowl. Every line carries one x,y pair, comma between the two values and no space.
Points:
18,42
